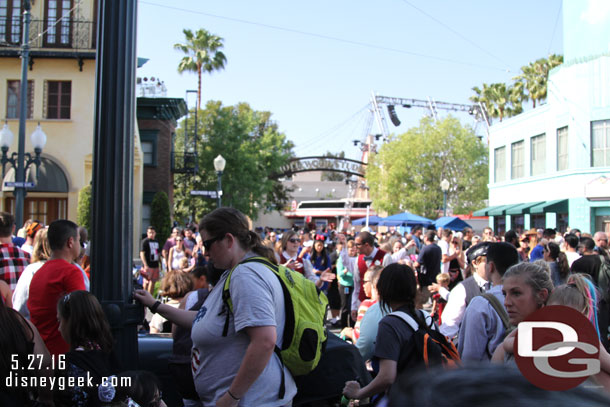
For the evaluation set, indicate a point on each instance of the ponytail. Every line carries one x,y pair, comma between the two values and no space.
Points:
255,244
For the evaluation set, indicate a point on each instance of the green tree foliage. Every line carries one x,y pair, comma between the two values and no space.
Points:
331,175
534,77
255,151
502,100
84,210
203,54
160,216
407,171
499,100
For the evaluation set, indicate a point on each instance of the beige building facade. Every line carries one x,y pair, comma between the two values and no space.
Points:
61,98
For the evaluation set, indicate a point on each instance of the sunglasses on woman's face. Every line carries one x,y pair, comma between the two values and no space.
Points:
293,240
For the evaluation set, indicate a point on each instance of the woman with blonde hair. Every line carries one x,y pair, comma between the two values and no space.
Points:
40,254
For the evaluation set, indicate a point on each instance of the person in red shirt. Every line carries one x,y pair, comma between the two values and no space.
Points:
57,277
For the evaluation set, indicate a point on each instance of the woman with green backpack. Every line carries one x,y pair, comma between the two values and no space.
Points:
234,358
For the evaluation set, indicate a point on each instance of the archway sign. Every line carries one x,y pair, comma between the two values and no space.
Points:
320,163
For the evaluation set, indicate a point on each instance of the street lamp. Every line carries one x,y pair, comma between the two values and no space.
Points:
219,166
20,161
444,188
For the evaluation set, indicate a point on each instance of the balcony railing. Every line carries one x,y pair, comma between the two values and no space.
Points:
66,34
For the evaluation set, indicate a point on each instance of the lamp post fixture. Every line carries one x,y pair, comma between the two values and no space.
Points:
19,163
444,188
20,168
219,166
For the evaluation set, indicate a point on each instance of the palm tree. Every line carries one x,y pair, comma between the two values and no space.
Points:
203,53
484,97
499,100
534,78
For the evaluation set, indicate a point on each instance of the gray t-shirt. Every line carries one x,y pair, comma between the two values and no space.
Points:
258,300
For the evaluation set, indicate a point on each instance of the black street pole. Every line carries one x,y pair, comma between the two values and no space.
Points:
20,170
112,235
219,190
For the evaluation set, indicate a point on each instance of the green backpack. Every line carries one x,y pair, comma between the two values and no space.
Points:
306,306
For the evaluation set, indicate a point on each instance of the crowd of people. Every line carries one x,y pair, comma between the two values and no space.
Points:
383,290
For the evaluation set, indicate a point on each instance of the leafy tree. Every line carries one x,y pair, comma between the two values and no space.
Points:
407,171
160,216
331,175
203,54
84,210
254,149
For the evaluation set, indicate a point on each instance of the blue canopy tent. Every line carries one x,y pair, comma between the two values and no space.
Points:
405,219
373,221
451,222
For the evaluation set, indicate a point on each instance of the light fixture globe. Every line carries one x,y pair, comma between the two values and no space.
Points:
6,136
219,163
445,185
38,138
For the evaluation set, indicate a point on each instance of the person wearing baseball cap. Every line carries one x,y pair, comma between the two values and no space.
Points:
465,291
30,234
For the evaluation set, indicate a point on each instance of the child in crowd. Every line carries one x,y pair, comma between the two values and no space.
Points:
370,276
84,326
440,297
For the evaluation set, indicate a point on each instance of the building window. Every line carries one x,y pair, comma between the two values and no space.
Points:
145,218
148,141
10,21
538,155
562,149
600,143
58,99
516,160
500,164
58,23
147,149
13,99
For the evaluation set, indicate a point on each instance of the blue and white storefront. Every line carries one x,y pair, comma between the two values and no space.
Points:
550,166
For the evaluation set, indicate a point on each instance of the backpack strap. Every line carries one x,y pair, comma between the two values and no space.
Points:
499,308
412,322
226,298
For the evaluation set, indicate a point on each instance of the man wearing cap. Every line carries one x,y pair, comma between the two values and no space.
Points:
13,260
482,328
464,292
30,234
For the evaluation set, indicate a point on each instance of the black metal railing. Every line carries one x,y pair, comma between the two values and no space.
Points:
66,34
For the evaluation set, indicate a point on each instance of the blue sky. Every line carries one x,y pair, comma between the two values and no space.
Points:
314,64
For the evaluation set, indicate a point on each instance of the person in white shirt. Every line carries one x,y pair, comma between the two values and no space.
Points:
464,292
571,246
443,243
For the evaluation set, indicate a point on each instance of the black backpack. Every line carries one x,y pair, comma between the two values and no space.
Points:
427,346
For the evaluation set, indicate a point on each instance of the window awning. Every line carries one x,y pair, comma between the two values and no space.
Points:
483,212
522,208
557,206
500,210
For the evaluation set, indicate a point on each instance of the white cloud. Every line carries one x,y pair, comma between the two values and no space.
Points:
597,12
